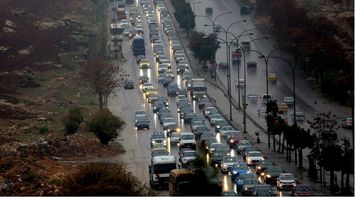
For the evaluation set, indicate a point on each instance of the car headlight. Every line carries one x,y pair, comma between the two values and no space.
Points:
178,129
224,166
231,141
268,176
249,160
259,167
218,126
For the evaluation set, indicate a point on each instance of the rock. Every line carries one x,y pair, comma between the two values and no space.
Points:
57,158
42,118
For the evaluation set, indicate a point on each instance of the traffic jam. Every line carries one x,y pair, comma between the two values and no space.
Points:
190,139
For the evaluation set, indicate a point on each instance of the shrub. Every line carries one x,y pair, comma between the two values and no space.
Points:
105,125
43,129
103,179
72,120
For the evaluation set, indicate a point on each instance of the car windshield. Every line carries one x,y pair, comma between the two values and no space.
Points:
230,159
255,154
287,177
187,137
189,154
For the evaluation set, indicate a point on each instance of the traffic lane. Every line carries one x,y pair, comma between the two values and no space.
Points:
281,68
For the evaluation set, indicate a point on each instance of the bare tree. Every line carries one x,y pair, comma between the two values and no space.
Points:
103,78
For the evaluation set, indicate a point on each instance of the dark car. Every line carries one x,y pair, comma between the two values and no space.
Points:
172,89
248,186
167,80
157,106
128,84
142,123
217,158
143,79
188,117
262,165
270,174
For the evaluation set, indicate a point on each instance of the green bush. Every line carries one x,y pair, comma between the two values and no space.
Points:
72,120
103,179
43,129
105,125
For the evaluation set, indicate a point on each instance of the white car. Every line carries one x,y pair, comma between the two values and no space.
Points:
289,100
215,118
228,162
174,137
285,181
187,155
225,130
253,157
187,140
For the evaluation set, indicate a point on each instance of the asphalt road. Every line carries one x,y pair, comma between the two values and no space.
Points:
126,102
308,99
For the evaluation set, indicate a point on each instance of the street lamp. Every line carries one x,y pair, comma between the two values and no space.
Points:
245,83
214,20
228,45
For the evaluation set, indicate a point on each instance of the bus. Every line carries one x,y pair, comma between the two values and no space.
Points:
159,170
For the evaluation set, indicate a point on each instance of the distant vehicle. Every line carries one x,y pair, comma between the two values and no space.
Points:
245,10
254,157
187,140
251,65
198,88
144,63
300,116
347,123
159,170
187,156
302,190
239,83
265,98
143,79
289,100
157,139
138,46
227,163
270,174
285,181
252,97
272,77
142,123
283,107
209,11
128,84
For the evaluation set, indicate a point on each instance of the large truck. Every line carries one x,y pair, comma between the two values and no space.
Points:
198,88
159,170
138,46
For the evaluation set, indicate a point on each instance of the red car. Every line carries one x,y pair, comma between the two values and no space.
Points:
347,123
302,190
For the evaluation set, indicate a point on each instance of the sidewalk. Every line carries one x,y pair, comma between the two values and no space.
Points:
217,92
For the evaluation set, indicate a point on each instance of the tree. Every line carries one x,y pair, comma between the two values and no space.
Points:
324,127
103,78
204,47
72,120
103,179
105,125
271,111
